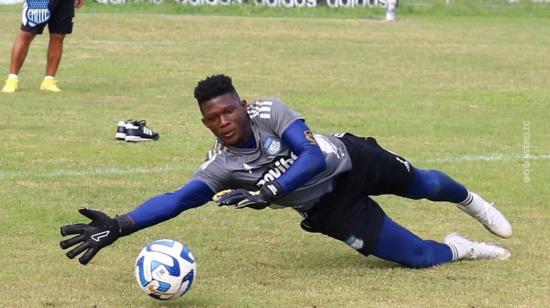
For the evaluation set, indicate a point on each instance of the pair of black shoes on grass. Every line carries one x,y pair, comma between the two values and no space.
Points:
135,131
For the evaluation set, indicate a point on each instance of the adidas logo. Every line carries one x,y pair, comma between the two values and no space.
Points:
135,131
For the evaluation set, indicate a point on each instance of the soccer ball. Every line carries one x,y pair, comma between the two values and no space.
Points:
165,269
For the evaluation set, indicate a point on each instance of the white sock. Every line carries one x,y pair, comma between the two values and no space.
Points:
49,77
468,199
13,76
454,251
460,246
473,199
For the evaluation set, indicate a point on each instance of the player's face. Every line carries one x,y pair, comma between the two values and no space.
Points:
227,119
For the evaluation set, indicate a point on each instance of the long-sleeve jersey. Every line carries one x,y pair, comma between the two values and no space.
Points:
304,164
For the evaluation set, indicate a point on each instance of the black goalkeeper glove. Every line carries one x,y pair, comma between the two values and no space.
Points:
102,231
241,198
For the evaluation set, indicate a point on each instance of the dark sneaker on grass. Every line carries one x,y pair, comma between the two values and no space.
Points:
121,130
137,131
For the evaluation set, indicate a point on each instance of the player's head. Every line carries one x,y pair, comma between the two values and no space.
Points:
222,110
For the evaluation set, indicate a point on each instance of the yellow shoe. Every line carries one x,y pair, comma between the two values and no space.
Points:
11,85
49,84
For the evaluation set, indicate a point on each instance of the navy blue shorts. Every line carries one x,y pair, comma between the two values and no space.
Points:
61,18
348,213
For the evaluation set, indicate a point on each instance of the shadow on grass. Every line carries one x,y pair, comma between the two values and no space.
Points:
201,301
343,260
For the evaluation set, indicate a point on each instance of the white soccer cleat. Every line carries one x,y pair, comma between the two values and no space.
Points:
487,214
464,248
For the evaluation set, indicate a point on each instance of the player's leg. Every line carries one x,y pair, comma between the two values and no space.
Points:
363,226
19,53
389,173
55,51
435,185
60,24
400,245
20,50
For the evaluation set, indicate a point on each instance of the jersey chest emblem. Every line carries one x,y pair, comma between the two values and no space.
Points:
271,145
37,11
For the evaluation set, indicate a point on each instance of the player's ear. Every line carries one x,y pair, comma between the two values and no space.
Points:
244,103
203,122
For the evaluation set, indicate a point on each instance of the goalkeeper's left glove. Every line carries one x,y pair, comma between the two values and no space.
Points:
241,198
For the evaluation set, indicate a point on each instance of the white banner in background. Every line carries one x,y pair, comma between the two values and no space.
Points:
10,1
271,3
287,3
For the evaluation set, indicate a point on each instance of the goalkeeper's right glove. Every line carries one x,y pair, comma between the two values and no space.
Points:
241,198
102,231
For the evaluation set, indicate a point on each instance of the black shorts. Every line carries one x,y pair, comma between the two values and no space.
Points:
375,170
61,18
347,213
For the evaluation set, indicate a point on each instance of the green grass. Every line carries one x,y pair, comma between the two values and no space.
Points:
433,87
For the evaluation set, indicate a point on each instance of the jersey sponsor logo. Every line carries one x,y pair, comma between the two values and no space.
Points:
272,145
279,167
273,189
36,12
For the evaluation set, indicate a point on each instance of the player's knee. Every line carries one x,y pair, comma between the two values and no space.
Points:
56,38
430,183
26,37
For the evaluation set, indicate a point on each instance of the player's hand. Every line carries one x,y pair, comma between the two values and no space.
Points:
241,198
90,238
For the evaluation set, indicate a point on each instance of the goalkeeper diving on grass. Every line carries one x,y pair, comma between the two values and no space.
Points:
265,155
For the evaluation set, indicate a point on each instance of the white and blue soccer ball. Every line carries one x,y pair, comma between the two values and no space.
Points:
166,269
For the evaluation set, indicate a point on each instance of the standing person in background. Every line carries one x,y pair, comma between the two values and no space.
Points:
58,15
391,6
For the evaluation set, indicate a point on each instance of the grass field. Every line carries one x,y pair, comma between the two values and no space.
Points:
466,94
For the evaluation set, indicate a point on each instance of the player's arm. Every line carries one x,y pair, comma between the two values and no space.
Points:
169,205
310,162
103,230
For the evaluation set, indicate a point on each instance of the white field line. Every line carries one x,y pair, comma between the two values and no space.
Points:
492,157
143,170
88,172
